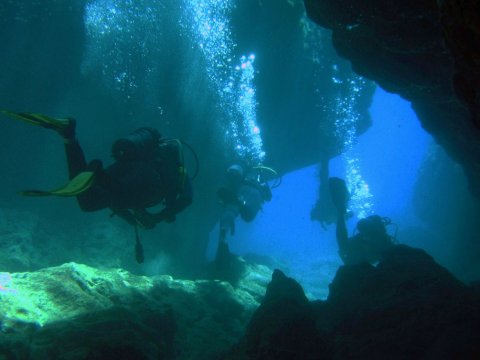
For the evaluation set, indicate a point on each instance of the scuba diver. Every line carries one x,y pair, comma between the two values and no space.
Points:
324,210
372,239
243,194
148,171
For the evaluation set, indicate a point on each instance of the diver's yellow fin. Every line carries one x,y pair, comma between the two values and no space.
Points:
37,119
76,186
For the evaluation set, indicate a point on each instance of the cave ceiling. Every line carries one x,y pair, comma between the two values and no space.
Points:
426,51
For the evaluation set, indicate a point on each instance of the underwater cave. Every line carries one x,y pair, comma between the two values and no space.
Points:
383,96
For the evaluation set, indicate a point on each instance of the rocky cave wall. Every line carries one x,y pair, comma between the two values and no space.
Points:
424,50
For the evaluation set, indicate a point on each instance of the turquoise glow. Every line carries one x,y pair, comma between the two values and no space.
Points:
207,22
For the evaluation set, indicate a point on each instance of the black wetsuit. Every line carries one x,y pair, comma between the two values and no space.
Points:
245,199
134,184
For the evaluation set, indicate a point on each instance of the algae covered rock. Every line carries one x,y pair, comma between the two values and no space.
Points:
78,312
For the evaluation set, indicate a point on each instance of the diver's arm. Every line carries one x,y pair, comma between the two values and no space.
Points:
183,200
174,205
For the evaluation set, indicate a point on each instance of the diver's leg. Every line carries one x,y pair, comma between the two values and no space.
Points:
97,197
227,221
227,225
340,196
75,158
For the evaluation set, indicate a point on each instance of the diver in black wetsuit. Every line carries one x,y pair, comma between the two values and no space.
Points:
148,171
372,239
242,195
324,210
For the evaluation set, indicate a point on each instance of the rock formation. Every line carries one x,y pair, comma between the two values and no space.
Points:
407,307
426,51
78,312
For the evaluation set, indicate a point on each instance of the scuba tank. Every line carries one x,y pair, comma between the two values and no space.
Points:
142,144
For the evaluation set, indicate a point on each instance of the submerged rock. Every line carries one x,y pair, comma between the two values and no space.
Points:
407,307
77,312
283,327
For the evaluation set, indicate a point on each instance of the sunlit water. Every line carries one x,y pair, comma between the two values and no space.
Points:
233,78
126,39
381,165
389,154
361,201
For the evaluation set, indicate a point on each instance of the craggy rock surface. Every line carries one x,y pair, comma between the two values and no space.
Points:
408,307
75,311
461,24
424,50
284,325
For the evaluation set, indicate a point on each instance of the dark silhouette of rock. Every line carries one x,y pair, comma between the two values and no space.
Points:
461,25
78,312
406,307
283,327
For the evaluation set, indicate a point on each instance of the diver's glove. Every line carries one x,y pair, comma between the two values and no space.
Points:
144,219
148,221
167,214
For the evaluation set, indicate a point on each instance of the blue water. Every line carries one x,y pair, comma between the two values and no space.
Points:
157,60
390,154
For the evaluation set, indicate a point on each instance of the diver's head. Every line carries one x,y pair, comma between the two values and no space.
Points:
372,232
140,144
373,225
235,173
